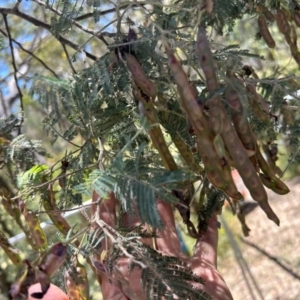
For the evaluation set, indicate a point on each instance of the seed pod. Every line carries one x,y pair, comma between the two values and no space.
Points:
259,106
265,33
35,228
207,65
268,14
209,6
139,76
274,169
296,18
282,22
156,134
55,216
217,169
268,175
186,154
54,259
12,253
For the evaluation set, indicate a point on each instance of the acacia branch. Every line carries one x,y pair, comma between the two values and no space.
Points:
39,23
32,54
15,71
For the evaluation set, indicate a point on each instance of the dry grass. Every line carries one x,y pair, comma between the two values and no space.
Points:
282,243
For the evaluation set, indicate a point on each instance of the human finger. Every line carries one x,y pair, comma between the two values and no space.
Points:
168,241
132,220
53,292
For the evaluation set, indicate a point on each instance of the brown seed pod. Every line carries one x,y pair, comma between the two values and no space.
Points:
217,170
139,76
155,132
265,33
296,17
209,6
282,23
207,65
268,14
257,103
187,154
240,121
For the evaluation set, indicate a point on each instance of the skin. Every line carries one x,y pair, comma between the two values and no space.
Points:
125,285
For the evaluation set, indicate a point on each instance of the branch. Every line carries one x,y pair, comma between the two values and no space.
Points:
15,71
104,12
68,58
32,54
38,23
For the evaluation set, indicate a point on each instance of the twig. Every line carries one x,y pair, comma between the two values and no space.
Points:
32,54
273,258
15,71
38,23
68,58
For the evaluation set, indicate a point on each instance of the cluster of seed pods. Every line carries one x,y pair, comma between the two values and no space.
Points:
234,134
286,22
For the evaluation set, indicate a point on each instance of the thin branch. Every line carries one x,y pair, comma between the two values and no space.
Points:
68,58
15,71
38,23
273,258
32,54
104,12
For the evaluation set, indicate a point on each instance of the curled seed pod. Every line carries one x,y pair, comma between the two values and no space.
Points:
12,253
282,23
35,228
265,33
139,76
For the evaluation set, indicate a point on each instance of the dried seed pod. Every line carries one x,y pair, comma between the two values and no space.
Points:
240,122
270,180
35,228
265,33
12,253
217,169
282,23
259,106
271,162
268,14
155,132
207,65
186,154
54,259
296,17
139,76
55,216
209,6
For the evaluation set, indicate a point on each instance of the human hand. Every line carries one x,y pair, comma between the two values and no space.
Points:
125,284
